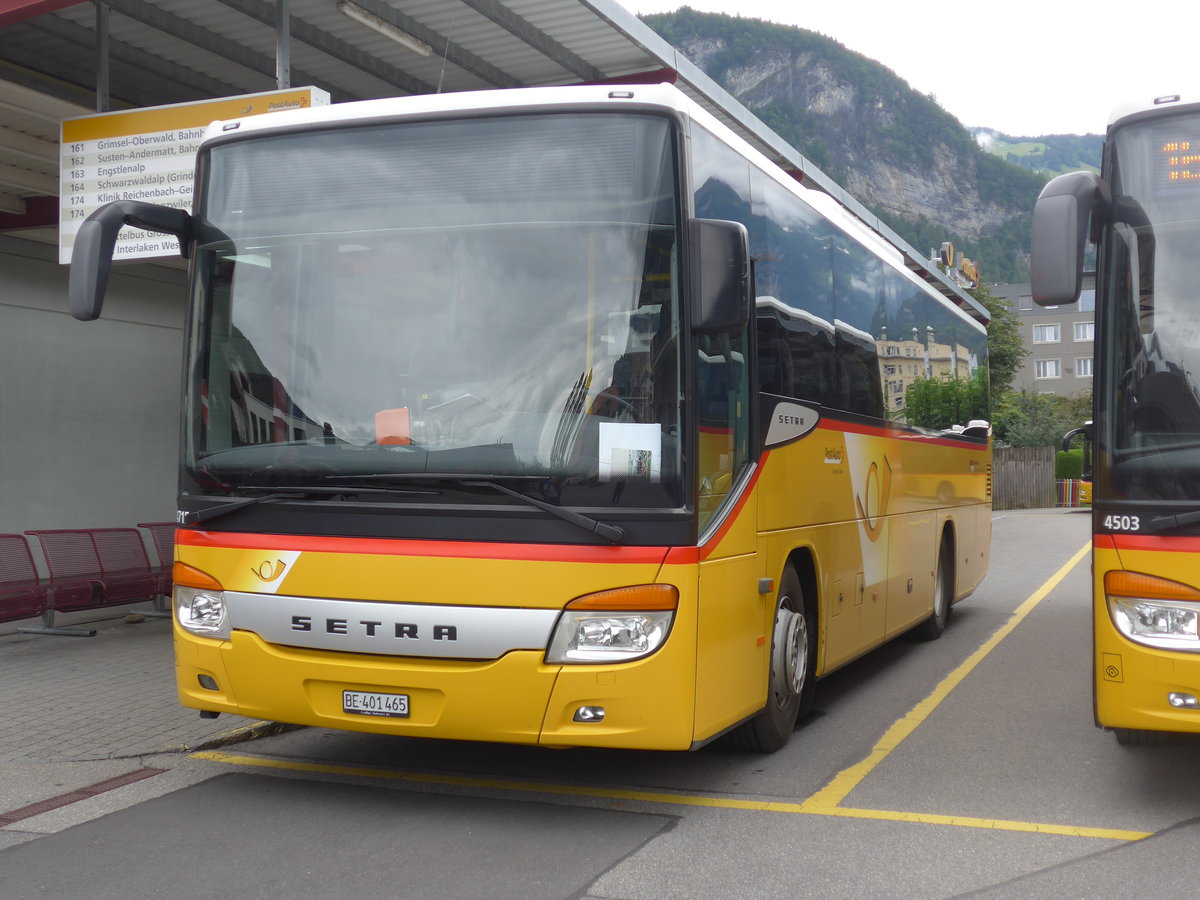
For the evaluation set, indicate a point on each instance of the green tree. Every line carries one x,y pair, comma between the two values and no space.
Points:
942,402
1026,419
1006,347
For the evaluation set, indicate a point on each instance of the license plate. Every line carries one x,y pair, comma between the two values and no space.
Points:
363,703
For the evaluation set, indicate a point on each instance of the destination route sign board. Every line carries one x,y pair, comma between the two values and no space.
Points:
147,154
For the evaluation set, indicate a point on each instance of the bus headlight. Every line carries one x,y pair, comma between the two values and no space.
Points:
614,626
1154,611
202,611
199,601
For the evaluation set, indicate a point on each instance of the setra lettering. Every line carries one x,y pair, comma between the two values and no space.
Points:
408,631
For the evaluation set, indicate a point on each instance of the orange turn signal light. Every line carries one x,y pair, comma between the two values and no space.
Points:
636,598
189,576
1147,587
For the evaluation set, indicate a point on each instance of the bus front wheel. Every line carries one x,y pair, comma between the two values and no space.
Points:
791,680
943,595
1136,737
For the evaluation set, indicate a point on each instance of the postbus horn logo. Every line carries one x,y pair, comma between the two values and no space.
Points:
878,490
269,571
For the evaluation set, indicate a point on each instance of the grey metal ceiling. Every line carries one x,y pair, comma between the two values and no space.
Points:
173,51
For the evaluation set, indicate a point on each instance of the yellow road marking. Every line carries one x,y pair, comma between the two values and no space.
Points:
826,802
848,779
1112,834
662,797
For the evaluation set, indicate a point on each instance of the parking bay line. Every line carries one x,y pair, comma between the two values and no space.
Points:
848,779
826,802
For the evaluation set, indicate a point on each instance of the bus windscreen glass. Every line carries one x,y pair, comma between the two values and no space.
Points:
1151,382
490,297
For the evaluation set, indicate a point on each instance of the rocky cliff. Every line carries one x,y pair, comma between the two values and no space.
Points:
893,148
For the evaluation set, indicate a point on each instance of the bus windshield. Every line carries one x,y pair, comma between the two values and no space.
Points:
494,297
1151,382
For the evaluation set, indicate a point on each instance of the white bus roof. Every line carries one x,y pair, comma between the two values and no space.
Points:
1161,103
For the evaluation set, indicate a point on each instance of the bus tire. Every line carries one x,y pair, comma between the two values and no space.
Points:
791,681
943,596
1137,737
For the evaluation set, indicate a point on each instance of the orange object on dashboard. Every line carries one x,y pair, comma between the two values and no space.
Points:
392,426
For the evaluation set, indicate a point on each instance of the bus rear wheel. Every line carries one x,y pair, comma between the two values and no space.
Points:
791,681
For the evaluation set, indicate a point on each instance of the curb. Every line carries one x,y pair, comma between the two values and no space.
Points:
251,732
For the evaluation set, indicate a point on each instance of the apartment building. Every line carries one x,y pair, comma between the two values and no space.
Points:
1060,340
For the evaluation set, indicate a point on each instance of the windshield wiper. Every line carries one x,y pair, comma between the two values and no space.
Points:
196,516
207,514
1165,523
614,534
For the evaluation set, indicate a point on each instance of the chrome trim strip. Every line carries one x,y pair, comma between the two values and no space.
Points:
393,629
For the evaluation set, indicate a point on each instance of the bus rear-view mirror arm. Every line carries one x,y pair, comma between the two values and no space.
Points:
1060,229
1070,436
91,255
720,275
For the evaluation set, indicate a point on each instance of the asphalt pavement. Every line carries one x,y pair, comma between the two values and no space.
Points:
82,717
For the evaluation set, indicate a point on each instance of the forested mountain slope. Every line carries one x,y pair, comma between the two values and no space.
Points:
895,149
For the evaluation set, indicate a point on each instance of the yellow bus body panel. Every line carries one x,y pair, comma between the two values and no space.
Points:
1132,681
874,504
516,698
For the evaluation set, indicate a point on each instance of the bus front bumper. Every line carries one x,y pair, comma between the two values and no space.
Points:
1146,689
514,699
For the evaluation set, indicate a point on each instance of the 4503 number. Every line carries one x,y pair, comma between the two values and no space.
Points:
1123,523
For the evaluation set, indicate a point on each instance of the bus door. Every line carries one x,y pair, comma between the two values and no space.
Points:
732,652
733,639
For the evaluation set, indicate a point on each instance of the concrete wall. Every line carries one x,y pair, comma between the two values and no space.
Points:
89,411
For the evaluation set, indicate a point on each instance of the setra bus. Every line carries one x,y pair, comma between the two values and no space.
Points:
1143,212
551,416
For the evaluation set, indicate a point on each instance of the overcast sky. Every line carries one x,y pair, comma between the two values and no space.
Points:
1051,67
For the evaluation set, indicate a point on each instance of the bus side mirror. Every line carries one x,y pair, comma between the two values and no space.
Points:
720,275
1060,228
1086,431
92,252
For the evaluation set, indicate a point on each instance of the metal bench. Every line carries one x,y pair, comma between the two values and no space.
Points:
163,536
124,566
22,593
74,579
94,567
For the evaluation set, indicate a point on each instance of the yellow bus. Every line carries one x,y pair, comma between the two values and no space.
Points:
549,416
1143,211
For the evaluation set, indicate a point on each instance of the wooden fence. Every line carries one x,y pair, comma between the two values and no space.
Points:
1023,478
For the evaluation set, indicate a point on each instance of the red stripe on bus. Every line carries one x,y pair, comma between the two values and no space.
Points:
1159,543
436,549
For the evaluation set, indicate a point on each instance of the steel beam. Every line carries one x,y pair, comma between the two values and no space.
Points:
442,46
536,38
156,66
211,42
331,46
